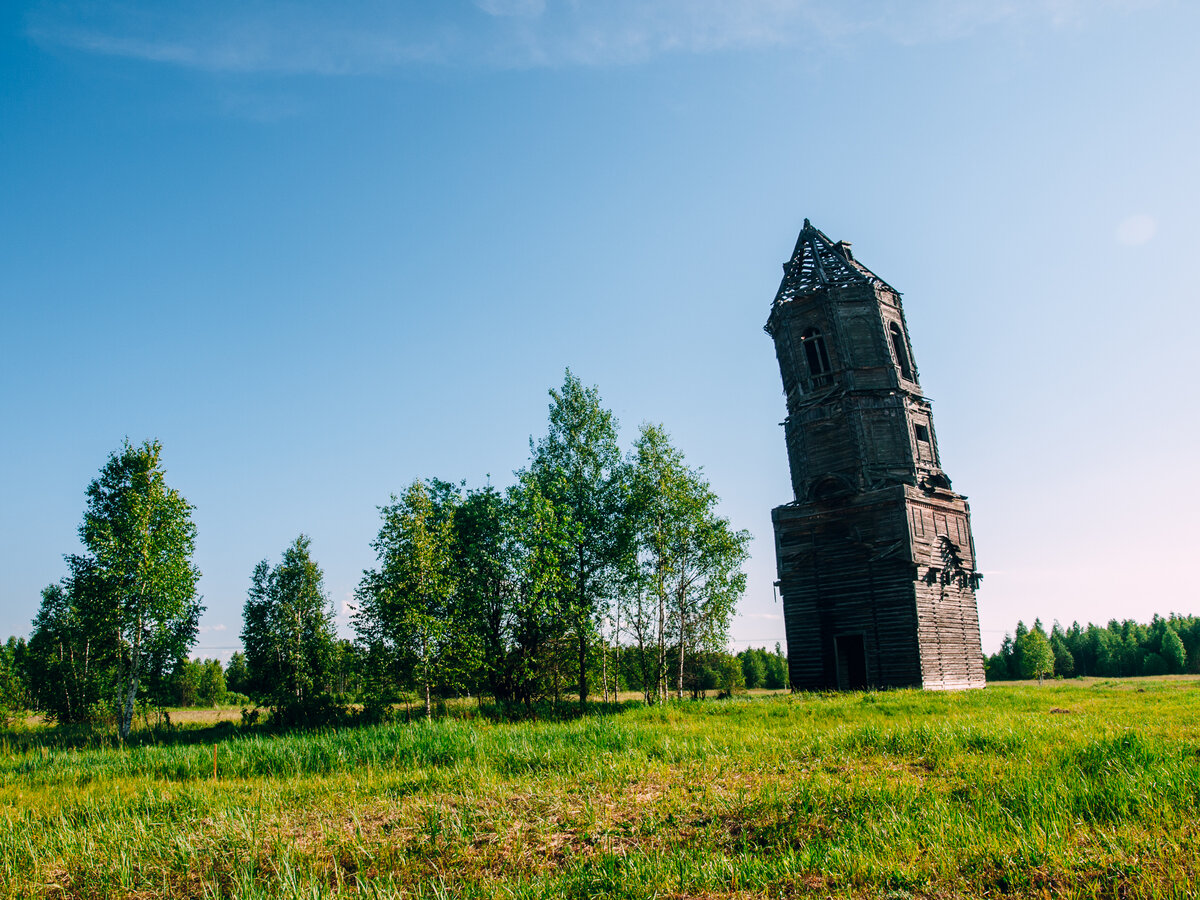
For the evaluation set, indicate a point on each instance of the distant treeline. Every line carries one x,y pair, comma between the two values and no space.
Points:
1119,650
595,571
206,683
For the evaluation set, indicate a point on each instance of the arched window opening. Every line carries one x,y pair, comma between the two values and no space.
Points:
901,348
815,353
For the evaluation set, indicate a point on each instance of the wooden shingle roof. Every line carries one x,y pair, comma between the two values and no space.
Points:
817,262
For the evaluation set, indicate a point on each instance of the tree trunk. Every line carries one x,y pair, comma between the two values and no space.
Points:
131,689
130,698
581,624
682,645
660,673
425,672
616,652
583,683
604,667
640,634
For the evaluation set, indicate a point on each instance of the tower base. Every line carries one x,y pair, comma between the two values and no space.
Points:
878,591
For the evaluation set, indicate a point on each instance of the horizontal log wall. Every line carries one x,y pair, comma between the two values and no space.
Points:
864,567
951,653
844,571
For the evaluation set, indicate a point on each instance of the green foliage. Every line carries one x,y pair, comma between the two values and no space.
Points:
198,683
1153,664
237,674
754,669
1119,649
482,561
116,627
14,678
730,678
777,670
1037,657
687,576
1173,651
508,578
1064,660
577,469
764,669
72,665
537,645
528,592
140,538
212,683
185,683
405,606
288,638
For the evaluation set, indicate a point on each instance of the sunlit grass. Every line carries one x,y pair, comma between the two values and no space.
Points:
1066,790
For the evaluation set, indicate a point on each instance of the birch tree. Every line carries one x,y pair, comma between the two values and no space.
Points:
690,559
535,622
406,604
289,638
577,467
140,538
72,650
483,561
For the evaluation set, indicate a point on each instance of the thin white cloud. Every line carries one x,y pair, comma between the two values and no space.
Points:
207,628
523,8
373,36
1136,230
223,36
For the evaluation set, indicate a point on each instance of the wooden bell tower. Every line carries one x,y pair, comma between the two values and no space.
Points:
875,557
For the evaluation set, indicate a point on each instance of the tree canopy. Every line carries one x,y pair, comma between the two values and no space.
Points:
288,637
127,612
577,467
593,565
1164,646
405,606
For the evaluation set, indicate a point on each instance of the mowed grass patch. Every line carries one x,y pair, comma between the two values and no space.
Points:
1064,790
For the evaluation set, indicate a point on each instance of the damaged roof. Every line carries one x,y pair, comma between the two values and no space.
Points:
817,262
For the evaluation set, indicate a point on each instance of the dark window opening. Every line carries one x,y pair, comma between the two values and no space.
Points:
815,353
901,348
922,433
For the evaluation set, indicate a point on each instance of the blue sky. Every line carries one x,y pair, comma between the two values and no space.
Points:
320,250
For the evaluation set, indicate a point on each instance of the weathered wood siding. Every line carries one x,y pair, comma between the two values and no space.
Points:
948,631
844,571
875,557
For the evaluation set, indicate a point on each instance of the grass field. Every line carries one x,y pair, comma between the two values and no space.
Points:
1074,789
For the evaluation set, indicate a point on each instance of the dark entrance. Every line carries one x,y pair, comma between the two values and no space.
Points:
851,662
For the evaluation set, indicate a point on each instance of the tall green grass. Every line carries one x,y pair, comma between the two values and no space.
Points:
1086,791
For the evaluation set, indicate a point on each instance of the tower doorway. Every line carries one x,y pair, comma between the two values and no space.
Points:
851,662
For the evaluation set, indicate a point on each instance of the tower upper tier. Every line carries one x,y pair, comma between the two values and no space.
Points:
857,417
